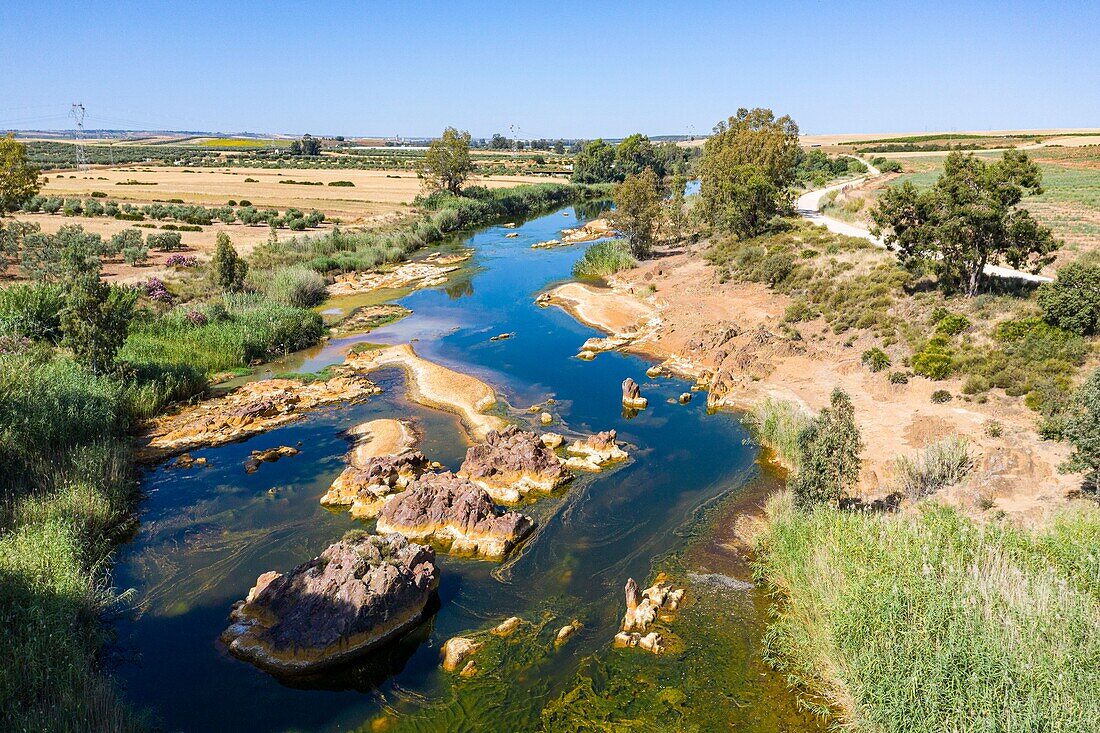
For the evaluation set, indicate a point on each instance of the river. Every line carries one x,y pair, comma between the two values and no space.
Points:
206,533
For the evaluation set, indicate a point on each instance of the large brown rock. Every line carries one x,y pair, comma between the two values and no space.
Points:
632,395
512,463
453,512
366,488
356,595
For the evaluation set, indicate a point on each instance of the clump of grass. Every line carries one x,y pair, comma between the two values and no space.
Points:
604,259
943,463
930,622
776,424
233,332
299,287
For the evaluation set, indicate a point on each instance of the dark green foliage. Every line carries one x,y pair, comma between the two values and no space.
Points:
875,359
1072,301
95,320
227,269
32,311
817,168
1082,429
941,396
595,163
899,378
828,455
635,154
967,220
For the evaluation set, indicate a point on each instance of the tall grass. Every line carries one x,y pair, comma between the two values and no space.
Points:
943,463
604,259
933,623
296,286
776,424
236,331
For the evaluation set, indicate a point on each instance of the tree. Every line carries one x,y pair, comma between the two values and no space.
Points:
12,236
227,269
447,164
675,214
636,153
1072,301
499,142
310,145
96,320
828,455
1082,430
746,171
126,239
638,210
967,220
559,147
60,257
18,179
595,163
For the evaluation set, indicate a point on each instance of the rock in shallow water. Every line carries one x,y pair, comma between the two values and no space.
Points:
366,488
457,650
356,595
512,463
595,452
453,512
632,395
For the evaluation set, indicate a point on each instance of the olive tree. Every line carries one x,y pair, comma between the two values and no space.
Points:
447,163
967,220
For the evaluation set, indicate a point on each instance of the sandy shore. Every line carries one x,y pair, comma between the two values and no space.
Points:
727,336
436,386
382,437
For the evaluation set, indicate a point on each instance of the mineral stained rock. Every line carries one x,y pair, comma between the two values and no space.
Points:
632,395
455,513
642,609
507,626
365,489
356,595
270,455
457,650
512,463
565,633
595,452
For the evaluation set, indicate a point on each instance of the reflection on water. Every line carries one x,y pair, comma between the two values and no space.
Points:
206,533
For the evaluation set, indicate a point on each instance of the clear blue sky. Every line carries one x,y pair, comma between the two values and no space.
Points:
561,68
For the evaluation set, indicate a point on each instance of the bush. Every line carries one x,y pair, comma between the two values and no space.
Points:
994,429
943,463
227,269
952,324
345,184
165,241
604,259
135,256
941,396
777,424
32,311
129,238
1072,301
934,360
300,287
875,359
828,455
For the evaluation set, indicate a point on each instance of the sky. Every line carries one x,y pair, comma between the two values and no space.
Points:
548,69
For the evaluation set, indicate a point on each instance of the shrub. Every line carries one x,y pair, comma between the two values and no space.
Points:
604,259
95,320
1072,301
346,184
828,455
952,324
934,360
32,311
181,261
875,359
941,396
300,287
943,463
129,238
227,269
1082,429
993,429
899,378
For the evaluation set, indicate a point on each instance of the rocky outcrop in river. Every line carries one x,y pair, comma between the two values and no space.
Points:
356,595
512,463
453,512
595,452
632,395
660,600
248,410
365,488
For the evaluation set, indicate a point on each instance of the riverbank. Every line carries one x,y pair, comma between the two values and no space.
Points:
730,336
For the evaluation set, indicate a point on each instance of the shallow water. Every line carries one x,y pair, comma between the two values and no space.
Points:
206,533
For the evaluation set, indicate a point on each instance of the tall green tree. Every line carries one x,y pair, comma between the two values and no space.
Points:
829,447
447,163
1072,301
638,211
227,269
747,170
1082,430
636,153
595,163
19,179
96,320
967,220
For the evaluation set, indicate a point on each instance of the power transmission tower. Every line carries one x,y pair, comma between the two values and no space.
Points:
77,113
